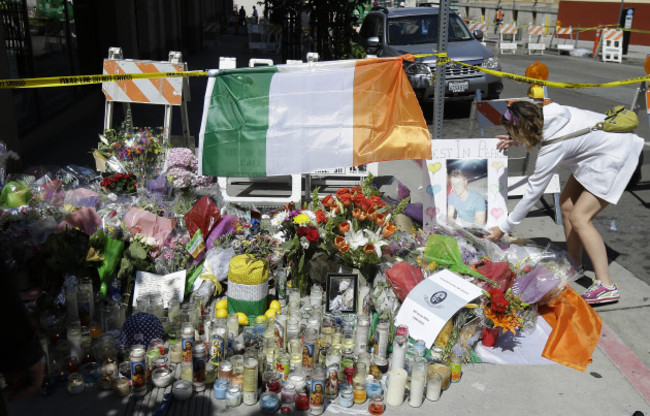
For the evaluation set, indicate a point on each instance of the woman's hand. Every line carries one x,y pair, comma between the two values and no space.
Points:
495,234
505,141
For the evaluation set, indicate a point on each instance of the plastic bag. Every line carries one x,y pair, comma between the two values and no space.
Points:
15,194
204,215
227,225
500,272
85,219
443,250
219,261
403,277
73,176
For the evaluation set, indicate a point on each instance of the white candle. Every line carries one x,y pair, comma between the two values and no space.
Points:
396,387
399,352
434,387
418,380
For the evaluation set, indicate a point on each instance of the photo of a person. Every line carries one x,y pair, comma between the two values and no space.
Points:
332,382
317,396
187,351
463,203
138,377
342,294
307,356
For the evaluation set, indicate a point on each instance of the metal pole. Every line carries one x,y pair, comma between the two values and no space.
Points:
439,97
620,13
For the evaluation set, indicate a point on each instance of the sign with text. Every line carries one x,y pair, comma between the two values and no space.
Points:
153,286
468,183
433,302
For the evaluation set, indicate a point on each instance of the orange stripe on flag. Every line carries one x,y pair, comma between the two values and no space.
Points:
395,128
163,86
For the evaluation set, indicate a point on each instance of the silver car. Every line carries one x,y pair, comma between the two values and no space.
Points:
398,31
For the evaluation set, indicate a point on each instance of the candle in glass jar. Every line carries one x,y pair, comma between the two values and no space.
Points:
377,406
138,370
288,393
434,387
225,370
162,377
233,396
359,393
182,389
175,353
220,388
75,383
269,402
400,344
444,371
122,387
187,371
418,381
302,401
346,396
396,387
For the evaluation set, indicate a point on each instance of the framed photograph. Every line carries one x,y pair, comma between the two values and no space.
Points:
468,183
342,293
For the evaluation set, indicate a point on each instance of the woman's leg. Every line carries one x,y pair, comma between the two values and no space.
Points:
568,199
585,208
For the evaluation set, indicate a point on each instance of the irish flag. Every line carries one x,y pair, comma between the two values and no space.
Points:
298,118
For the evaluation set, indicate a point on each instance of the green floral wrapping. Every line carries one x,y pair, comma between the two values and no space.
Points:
112,254
443,250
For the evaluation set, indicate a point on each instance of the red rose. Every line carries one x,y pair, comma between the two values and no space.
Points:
498,301
301,231
346,199
366,204
327,201
376,200
342,191
357,199
312,235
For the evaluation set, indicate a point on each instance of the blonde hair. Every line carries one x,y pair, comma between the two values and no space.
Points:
526,123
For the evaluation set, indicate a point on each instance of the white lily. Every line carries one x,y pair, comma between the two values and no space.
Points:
355,239
376,240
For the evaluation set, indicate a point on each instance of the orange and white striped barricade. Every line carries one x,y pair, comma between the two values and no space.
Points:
482,26
210,31
641,92
168,92
536,43
565,35
612,41
508,30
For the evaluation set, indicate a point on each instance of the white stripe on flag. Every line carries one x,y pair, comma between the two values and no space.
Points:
311,118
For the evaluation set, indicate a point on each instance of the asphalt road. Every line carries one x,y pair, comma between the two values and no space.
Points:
626,226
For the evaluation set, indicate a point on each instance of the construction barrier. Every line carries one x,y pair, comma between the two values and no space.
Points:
536,43
612,40
508,31
567,35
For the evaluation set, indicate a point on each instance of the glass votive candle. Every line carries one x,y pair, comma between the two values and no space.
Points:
434,387
373,387
75,383
233,396
158,343
225,370
302,401
162,377
175,353
376,406
346,396
288,393
182,389
210,373
273,384
220,387
122,387
187,371
269,402
90,373
359,395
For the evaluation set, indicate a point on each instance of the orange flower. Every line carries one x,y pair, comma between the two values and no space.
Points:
389,230
357,199
342,191
321,216
327,201
366,204
380,219
345,248
369,249
376,200
371,214
356,189
341,244
509,322
346,199
358,214
334,209
344,227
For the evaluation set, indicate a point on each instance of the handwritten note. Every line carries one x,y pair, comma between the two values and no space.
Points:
152,286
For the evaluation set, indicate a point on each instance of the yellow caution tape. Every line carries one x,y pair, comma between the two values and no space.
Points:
67,81
572,85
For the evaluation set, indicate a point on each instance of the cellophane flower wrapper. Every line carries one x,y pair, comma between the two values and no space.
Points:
403,277
203,216
382,295
85,219
112,254
15,194
73,176
218,259
142,153
139,221
443,251
173,254
81,198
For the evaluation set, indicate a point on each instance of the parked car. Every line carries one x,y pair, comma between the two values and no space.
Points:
398,31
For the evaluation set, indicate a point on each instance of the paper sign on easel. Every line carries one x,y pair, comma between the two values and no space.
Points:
433,302
151,286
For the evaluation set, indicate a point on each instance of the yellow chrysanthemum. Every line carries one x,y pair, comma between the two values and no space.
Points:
301,219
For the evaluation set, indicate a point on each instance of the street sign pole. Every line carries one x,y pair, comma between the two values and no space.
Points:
439,97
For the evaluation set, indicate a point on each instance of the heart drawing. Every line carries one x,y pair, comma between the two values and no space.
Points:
432,190
496,212
435,167
432,212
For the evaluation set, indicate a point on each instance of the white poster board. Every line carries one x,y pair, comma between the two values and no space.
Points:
484,170
152,286
433,302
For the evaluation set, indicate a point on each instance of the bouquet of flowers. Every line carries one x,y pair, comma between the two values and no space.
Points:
503,310
357,224
120,183
181,167
299,229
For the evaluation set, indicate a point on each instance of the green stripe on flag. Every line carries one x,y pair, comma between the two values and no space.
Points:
234,141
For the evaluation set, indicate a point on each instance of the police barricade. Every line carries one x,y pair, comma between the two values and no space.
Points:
563,38
612,41
536,45
508,38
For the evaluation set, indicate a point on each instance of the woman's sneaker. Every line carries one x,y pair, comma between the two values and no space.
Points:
598,293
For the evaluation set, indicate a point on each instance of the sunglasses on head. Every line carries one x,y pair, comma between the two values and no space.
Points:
509,117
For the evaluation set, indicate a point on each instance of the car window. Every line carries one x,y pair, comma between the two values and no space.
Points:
413,30
372,27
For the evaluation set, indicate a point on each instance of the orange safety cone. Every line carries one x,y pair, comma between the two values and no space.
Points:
594,53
